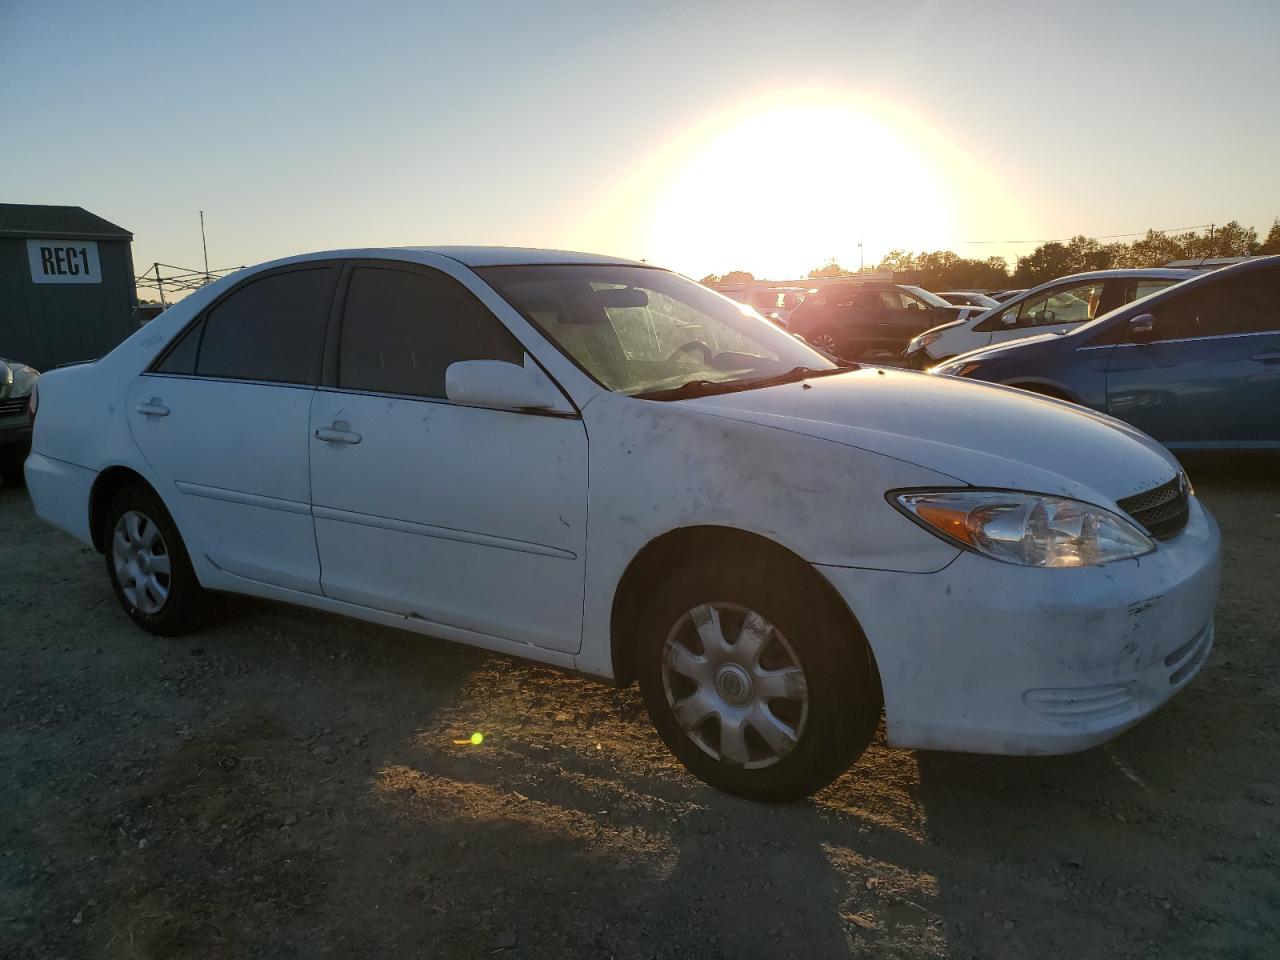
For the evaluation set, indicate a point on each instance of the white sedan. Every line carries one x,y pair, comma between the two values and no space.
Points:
603,466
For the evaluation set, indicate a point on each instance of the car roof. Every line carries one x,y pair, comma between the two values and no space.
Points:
512,256
471,256
1172,273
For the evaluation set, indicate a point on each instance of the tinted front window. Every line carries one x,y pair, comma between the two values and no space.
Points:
270,329
402,329
1245,303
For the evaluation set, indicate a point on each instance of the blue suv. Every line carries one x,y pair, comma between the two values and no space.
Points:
1197,365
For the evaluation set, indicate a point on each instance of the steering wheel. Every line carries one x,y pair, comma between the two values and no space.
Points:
692,345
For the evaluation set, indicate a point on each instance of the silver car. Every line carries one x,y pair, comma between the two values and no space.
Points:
17,382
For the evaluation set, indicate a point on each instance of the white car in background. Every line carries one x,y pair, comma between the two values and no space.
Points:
777,547
1052,307
968,298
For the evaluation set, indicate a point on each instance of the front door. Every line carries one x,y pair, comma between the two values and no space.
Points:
1056,310
1209,374
223,420
466,517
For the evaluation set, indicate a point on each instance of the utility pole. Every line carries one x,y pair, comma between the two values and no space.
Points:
859,256
205,247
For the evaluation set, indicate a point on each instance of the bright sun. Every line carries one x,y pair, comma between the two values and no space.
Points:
782,190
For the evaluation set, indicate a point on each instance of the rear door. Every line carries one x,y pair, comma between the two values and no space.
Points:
1210,373
222,417
467,517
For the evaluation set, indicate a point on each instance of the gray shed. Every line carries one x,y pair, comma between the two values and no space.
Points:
66,284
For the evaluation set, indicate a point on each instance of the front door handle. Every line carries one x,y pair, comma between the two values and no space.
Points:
1267,356
153,408
338,432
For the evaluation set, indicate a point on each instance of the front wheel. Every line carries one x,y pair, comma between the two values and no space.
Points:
756,682
148,565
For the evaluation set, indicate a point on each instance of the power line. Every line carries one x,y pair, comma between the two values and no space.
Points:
1110,236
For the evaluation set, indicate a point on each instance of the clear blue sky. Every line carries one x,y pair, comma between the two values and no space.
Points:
305,126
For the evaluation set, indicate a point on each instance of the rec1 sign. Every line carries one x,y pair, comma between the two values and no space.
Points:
64,261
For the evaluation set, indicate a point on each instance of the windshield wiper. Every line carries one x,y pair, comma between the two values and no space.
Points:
792,375
690,388
705,388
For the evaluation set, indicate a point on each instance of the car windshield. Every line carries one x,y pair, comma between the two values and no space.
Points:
641,331
930,298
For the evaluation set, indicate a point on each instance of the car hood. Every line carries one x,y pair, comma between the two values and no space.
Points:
980,434
1001,349
944,326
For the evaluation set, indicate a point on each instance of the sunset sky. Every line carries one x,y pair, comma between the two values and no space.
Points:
701,136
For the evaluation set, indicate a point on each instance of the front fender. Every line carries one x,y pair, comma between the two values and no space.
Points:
659,467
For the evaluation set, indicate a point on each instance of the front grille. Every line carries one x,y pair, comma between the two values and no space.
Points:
1162,510
12,405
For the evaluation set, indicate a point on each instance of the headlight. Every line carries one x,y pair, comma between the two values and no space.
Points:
922,341
24,378
954,369
1028,529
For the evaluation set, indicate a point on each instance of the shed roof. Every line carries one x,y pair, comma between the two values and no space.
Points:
39,220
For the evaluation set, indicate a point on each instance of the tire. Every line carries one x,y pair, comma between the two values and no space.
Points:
830,724
167,603
826,340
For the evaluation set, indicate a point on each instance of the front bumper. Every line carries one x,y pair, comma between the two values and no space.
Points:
988,657
917,359
15,432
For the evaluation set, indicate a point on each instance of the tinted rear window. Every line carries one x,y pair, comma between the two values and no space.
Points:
270,329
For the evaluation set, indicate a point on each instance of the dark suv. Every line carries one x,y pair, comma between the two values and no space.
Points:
867,321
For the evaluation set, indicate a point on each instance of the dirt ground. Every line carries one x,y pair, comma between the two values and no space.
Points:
287,784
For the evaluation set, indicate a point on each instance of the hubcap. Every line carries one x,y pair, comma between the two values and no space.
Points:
825,342
140,559
735,685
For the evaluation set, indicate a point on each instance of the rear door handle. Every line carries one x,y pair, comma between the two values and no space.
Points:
338,432
1267,356
153,408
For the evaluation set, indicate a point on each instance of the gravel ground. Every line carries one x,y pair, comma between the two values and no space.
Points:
287,784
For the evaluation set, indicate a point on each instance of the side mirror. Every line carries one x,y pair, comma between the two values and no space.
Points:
1047,316
1009,319
500,386
1142,326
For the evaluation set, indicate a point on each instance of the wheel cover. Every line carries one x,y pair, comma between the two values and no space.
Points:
825,341
140,559
735,685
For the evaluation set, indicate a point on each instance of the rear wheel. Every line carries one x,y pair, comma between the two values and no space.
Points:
825,340
754,681
148,565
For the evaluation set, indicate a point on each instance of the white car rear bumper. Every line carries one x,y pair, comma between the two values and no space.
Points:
988,657
60,492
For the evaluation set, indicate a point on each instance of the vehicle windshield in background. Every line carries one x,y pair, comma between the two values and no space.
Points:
930,298
643,331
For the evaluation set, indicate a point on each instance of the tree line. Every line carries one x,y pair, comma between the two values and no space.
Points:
945,270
